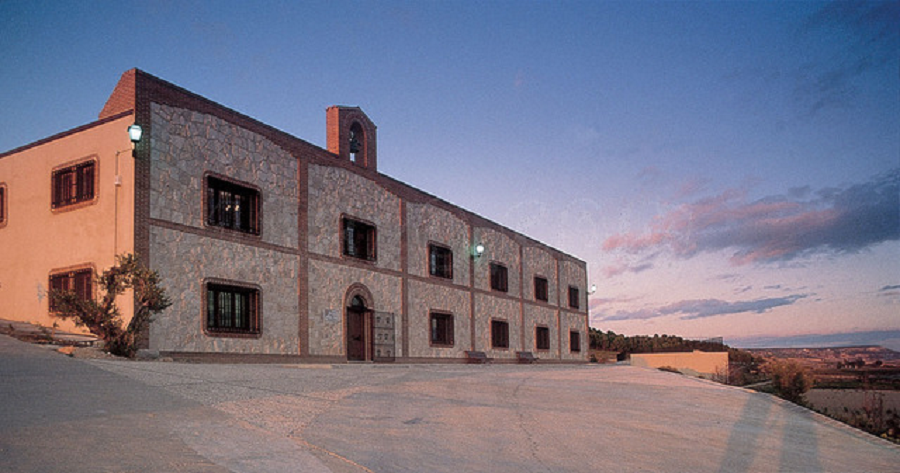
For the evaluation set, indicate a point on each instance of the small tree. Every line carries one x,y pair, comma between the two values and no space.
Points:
790,379
102,317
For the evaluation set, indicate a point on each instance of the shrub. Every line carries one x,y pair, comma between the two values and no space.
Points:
102,317
789,379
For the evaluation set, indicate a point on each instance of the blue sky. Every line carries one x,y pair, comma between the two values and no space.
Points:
725,168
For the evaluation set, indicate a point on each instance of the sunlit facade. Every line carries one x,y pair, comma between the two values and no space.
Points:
270,246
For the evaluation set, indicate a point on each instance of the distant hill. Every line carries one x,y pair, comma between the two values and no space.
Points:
832,355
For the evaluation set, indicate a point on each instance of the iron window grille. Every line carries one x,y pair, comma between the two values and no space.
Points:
499,278
72,185
232,206
232,309
359,239
441,329
440,261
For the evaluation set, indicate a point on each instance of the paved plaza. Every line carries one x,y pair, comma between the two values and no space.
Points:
72,415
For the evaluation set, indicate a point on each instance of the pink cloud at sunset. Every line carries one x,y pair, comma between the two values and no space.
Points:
701,308
773,229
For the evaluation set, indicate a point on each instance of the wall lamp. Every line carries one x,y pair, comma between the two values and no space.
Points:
593,289
135,132
479,250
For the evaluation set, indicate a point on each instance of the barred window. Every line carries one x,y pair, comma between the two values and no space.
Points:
80,282
499,334
441,329
440,261
541,289
72,185
232,206
232,309
499,279
542,338
359,239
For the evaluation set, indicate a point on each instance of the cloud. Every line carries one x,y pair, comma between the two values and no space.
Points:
702,308
890,288
773,229
622,268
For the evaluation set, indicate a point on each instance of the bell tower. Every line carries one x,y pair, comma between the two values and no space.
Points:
351,136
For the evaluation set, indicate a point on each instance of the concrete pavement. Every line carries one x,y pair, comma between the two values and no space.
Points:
63,414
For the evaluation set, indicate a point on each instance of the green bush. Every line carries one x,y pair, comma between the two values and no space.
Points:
790,380
102,317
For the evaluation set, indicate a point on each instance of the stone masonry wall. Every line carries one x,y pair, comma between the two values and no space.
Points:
187,145
573,274
538,262
500,249
429,224
184,260
568,322
425,298
489,308
534,316
336,191
328,285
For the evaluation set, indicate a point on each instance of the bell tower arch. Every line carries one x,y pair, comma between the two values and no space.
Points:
351,136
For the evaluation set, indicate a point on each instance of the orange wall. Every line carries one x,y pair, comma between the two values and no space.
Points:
37,240
698,363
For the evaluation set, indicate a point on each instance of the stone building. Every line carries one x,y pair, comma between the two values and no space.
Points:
270,245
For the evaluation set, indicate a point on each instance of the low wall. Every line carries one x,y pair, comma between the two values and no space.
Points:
697,363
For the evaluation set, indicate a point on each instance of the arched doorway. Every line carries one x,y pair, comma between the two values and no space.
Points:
358,326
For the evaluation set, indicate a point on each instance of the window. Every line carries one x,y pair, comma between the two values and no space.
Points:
542,338
499,334
232,206
359,239
575,341
441,329
2,205
541,291
573,297
72,185
440,261
232,309
499,280
80,282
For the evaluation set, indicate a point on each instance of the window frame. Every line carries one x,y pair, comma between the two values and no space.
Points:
81,178
538,330
370,237
438,335
252,306
574,341
4,213
499,334
72,279
499,277
435,269
217,218
545,286
574,297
